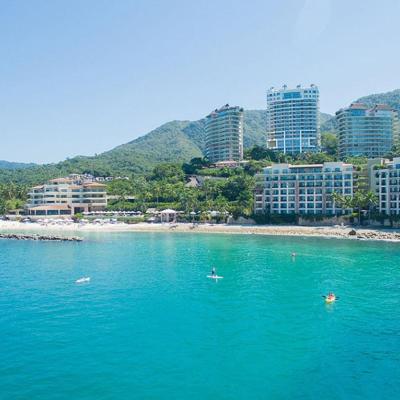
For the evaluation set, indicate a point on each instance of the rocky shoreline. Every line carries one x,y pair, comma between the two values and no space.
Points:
374,235
50,238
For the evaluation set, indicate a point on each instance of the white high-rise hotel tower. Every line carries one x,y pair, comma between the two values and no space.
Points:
293,119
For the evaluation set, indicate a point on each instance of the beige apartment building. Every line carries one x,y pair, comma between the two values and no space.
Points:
66,197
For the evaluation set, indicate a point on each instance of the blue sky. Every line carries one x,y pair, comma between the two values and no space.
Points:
80,77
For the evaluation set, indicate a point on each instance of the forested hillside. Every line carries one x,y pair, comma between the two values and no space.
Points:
175,141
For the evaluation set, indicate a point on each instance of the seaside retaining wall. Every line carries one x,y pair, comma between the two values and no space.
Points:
323,221
241,221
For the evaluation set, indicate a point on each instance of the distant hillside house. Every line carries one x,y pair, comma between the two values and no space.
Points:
366,131
66,196
224,134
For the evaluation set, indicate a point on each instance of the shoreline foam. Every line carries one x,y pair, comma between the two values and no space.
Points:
271,230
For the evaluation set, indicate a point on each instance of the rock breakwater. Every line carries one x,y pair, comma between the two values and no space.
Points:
50,238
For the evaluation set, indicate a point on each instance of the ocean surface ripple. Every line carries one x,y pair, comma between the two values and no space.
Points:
150,325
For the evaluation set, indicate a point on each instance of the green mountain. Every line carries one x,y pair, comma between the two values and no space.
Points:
254,127
392,99
175,141
14,165
327,122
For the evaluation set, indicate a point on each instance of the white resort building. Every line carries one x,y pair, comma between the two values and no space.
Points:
224,134
66,197
303,189
385,182
293,119
366,131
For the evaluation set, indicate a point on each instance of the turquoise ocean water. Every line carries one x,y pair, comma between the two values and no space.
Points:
150,325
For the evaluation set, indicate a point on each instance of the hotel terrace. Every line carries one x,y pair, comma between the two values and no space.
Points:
303,189
66,197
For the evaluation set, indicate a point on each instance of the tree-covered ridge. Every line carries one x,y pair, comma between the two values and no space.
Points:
327,122
14,165
175,141
168,143
392,99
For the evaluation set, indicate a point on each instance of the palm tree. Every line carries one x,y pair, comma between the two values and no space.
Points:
187,200
338,199
371,200
3,207
355,202
157,190
344,202
364,199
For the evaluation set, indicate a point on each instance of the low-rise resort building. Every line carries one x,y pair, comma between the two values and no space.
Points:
385,182
66,197
303,189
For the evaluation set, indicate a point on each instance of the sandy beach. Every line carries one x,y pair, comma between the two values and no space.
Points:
273,230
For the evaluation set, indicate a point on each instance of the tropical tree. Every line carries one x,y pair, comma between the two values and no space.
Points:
212,188
359,201
188,200
170,172
12,196
345,202
329,143
121,188
370,201
157,190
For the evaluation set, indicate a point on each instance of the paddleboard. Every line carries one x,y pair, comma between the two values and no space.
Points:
83,280
215,277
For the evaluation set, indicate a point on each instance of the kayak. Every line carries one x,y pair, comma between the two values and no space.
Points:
83,280
330,299
215,277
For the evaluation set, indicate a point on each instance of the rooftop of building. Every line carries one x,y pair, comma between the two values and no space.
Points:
61,180
326,165
226,107
382,107
284,88
73,181
363,106
93,184
385,163
51,207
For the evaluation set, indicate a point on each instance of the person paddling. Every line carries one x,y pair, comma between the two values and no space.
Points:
213,273
330,298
